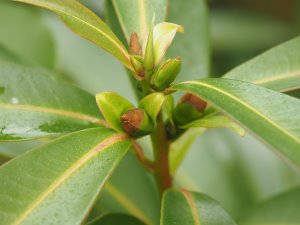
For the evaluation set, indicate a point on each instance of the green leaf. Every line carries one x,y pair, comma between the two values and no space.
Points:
8,56
277,69
216,121
87,24
121,195
276,122
181,146
25,35
281,209
152,105
57,183
113,106
34,104
136,16
194,45
116,219
184,207
221,158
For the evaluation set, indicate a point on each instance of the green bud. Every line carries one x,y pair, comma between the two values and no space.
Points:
138,65
149,52
189,108
112,107
166,74
136,123
152,105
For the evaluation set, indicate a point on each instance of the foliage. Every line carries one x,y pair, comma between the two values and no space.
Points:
139,154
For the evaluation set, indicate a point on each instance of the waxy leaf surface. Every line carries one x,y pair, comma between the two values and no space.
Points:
271,116
277,69
116,219
87,24
185,207
58,182
35,104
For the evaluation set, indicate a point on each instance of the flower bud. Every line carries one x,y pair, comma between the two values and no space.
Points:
136,123
135,47
166,74
138,65
189,108
112,107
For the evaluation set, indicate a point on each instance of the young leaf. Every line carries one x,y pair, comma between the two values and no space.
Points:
216,121
87,24
59,187
281,209
116,219
34,104
185,207
194,45
277,69
136,16
163,35
272,116
152,104
113,106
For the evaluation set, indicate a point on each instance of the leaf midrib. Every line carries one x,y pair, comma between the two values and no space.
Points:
60,112
246,105
72,169
278,77
123,200
84,22
193,207
143,18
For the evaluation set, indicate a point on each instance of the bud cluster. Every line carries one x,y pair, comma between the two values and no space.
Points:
123,116
147,58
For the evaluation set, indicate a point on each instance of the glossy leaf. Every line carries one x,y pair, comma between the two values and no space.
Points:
113,106
281,209
35,104
136,16
194,45
216,121
184,207
59,187
87,24
116,219
122,195
152,105
25,35
277,69
276,122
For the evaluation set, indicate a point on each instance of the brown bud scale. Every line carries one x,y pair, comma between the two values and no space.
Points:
195,101
135,46
132,120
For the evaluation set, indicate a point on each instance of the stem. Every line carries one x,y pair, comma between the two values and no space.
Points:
148,165
161,148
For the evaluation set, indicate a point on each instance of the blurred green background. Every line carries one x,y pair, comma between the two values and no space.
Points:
238,172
